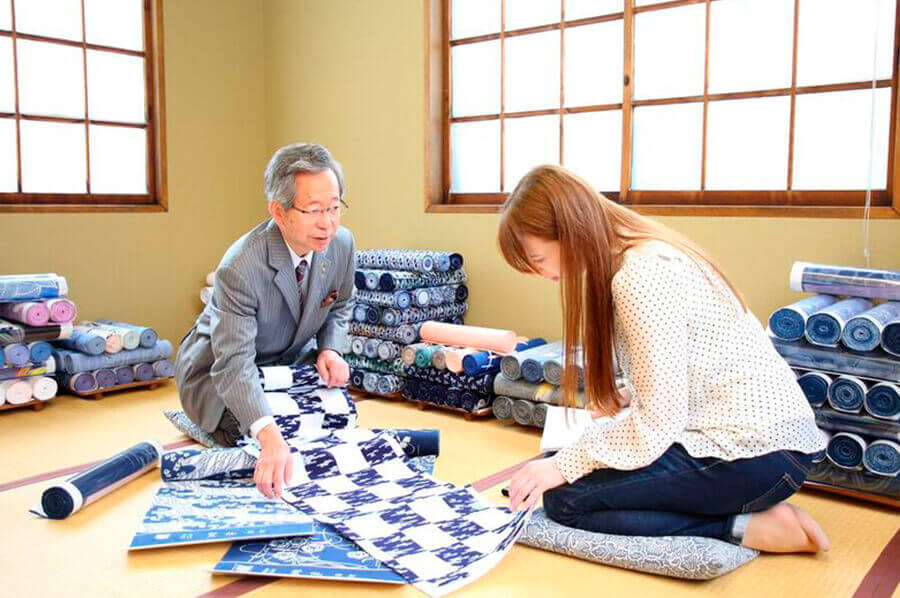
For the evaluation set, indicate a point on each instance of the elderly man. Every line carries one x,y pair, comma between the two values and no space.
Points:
282,296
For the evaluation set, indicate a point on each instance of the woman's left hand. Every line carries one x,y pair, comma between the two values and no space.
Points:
530,482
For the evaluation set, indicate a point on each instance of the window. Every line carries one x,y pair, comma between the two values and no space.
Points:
730,106
81,119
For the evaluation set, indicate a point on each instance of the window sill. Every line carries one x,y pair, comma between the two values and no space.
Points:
82,208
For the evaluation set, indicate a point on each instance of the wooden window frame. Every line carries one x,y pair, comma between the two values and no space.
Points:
156,199
793,203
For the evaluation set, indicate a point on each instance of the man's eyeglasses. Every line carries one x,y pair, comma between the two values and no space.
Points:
333,212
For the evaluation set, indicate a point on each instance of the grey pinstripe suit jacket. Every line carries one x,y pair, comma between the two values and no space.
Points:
255,318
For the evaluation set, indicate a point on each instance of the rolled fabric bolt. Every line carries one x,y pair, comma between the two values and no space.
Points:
502,408
11,332
73,361
846,450
358,345
435,296
387,385
523,412
424,355
112,342
370,348
408,355
32,287
883,401
540,415
462,292
890,338
40,351
387,350
815,386
845,280
163,368
863,332
486,339
206,294
370,382
847,394
131,337
63,499
372,280
149,337
62,311
882,457
85,341
439,359
789,322
43,388
31,313
421,298
359,313
356,378
80,382
389,317
372,314
17,354
454,397
124,374
16,391
106,378
825,327
480,363
453,358
143,372
359,279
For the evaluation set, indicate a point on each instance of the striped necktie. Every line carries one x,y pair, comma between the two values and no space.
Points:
300,271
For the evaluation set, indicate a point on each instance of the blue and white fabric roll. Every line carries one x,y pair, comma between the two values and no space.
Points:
359,313
801,354
789,322
143,372
421,297
425,355
847,394
149,337
481,384
846,450
389,281
481,363
396,299
163,368
882,457
417,315
511,364
372,281
106,378
80,382
825,327
85,342
534,359
388,350
406,334
68,497
883,401
32,287
124,374
17,354
846,280
356,378
357,345
370,382
74,361
413,260
863,332
890,338
815,386
370,348
502,408
131,337
40,351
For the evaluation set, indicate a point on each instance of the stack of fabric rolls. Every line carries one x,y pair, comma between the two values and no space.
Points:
34,310
454,366
843,343
107,354
398,290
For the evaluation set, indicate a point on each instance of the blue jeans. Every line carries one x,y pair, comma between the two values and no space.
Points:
678,495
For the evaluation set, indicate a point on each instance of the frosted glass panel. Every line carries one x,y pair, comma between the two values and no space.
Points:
50,18
594,64
529,142
528,13
117,23
592,147
669,51
580,9
8,162
474,17
476,78
53,157
836,40
115,87
532,71
831,140
475,149
51,79
747,144
750,45
667,147
7,77
118,160
5,17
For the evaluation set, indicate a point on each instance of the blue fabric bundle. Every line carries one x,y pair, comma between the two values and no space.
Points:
826,326
815,386
847,394
883,401
882,457
789,323
863,332
846,450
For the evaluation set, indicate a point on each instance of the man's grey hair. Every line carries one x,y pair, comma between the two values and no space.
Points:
294,159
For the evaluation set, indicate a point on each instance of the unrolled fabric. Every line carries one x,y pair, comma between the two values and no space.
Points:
486,339
62,311
33,313
845,280
815,386
826,326
789,322
16,391
882,457
890,338
74,361
847,394
61,500
32,287
39,351
863,332
43,388
12,332
543,393
131,337
803,355
883,401
846,450
17,354
44,369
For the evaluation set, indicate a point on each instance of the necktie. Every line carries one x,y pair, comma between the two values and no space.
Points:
301,275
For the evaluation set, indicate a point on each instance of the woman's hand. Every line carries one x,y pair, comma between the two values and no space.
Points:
530,482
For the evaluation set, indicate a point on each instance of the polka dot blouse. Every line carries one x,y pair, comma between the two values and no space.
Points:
701,373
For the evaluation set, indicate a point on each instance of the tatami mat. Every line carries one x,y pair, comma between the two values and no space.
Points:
86,554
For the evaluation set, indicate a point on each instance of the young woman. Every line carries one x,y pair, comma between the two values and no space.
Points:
718,435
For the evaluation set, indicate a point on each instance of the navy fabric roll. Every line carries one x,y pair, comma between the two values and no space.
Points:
826,326
846,450
883,401
890,338
85,342
373,314
845,280
480,363
462,292
882,457
789,323
143,372
163,368
17,355
847,394
40,351
149,337
502,408
815,387
359,279
801,354
863,332
387,385
61,500
425,354
480,384
454,397
356,378
105,378
410,388
124,374
511,364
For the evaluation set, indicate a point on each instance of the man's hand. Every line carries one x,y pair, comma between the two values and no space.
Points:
275,466
530,483
333,369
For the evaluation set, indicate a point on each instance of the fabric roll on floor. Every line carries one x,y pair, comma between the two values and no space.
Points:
502,407
124,374
863,332
890,338
163,368
523,412
370,348
373,314
16,391
846,450
789,322
74,361
540,415
106,378
32,287
143,372
32,313
80,382
40,351
454,356
826,326
17,354
388,350
844,280
62,311
847,394
542,393
883,401
421,297
43,388
882,457
533,360
801,354
815,386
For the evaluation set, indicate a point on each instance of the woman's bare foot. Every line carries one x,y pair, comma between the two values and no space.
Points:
785,528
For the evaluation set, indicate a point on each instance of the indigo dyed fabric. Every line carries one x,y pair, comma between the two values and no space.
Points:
845,280
883,401
789,322
845,450
863,332
826,326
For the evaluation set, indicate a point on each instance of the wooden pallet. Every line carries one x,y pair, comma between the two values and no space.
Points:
849,492
100,392
467,415
34,404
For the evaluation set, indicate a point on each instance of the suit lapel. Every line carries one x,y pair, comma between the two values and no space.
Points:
280,260
319,273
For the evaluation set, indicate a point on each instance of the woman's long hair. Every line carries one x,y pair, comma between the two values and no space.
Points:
554,204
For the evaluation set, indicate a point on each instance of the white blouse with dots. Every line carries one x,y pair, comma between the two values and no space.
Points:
701,373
